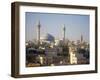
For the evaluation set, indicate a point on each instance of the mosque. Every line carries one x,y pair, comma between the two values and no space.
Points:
52,49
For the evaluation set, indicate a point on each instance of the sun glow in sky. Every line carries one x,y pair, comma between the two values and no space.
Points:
76,25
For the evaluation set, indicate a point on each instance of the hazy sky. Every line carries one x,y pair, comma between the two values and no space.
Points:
76,25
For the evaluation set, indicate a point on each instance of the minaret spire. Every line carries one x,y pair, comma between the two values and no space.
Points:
81,38
38,27
64,30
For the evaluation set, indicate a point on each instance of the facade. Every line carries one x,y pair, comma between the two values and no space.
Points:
73,55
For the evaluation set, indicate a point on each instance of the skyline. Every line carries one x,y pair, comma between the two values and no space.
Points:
76,25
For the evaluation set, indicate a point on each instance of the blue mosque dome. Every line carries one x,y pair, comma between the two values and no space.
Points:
48,37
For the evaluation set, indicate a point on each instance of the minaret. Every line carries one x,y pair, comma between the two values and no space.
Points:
64,30
81,38
38,32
